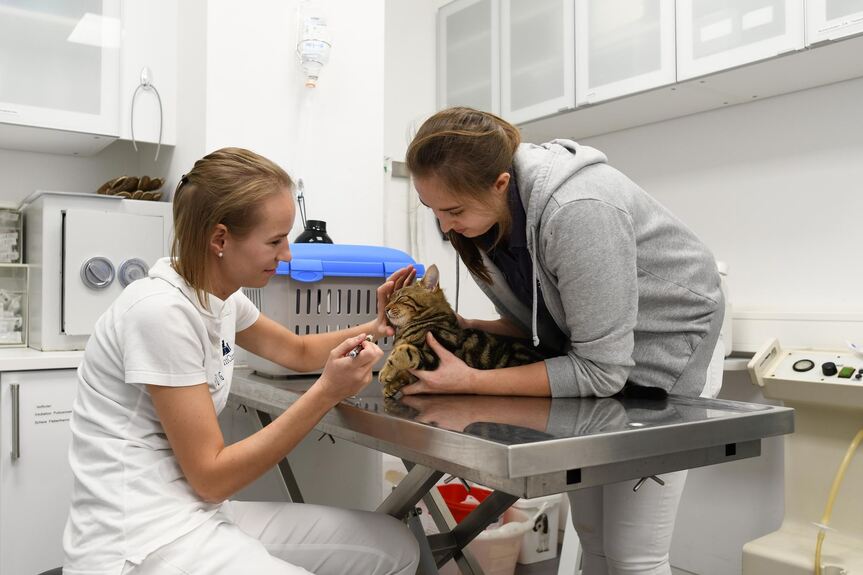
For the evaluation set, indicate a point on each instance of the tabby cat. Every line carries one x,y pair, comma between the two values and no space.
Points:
421,307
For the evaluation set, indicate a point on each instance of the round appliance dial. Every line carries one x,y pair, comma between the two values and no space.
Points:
803,365
97,272
131,270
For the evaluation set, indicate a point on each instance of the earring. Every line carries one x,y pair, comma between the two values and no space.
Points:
221,254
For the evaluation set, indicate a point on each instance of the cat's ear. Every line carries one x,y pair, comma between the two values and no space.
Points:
431,279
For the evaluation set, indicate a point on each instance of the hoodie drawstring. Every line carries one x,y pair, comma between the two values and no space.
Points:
535,284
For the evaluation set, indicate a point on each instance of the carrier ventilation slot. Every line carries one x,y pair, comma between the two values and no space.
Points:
255,295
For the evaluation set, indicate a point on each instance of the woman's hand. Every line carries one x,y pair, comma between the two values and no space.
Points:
344,376
464,323
403,277
452,375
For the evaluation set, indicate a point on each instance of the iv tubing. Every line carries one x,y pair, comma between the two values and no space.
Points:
834,490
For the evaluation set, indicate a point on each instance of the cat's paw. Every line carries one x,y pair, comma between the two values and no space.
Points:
404,357
391,388
387,374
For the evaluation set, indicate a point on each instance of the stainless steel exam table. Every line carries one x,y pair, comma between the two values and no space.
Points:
520,446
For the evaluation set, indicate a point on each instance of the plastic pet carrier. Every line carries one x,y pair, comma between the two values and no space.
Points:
324,288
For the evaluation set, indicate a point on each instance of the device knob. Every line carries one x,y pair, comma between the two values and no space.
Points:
829,368
97,272
131,270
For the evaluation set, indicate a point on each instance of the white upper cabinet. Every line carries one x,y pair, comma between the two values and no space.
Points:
714,35
832,19
469,55
59,65
537,58
149,54
622,47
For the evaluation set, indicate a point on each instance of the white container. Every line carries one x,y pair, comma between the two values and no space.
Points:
540,542
725,332
497,548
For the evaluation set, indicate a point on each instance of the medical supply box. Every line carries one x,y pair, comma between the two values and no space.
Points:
324,288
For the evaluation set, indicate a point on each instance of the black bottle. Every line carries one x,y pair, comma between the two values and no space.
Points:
315,233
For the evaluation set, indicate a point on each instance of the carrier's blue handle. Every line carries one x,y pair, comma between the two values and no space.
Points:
313,262
307,277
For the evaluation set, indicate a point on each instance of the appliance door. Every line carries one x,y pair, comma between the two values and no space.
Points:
96,244
35,478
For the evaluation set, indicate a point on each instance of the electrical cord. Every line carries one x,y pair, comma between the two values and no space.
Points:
146,84
834,490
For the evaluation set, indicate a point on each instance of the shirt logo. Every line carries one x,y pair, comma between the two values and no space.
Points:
227,353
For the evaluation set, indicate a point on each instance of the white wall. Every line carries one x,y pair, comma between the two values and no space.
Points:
332,135
191,88
773,187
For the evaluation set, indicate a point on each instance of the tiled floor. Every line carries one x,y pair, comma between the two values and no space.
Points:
542,568
550,568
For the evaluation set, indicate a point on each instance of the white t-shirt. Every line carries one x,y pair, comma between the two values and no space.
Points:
130,496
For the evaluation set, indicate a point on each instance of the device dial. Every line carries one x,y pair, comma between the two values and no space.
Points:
97,272
803,365
131,270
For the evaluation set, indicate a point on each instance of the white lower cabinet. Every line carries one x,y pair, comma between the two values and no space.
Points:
35,479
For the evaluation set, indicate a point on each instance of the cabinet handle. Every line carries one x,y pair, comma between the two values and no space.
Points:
16,422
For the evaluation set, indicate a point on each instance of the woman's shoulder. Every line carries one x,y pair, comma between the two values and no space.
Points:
154,300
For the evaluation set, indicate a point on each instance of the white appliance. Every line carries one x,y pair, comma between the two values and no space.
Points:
83,250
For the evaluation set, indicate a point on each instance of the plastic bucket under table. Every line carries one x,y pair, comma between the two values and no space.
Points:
497,547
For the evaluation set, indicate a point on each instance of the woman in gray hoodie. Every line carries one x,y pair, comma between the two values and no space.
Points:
620,294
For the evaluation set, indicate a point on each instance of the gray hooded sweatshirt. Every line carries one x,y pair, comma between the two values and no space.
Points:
631,288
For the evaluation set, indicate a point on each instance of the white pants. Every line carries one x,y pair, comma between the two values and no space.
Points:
629,533
267,538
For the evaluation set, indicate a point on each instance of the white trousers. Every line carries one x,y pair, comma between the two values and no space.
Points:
268,538
629,533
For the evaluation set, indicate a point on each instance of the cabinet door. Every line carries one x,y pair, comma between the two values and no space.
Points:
35,479
149,41
622,47
715,35
832,19
59,65
537,58
468,59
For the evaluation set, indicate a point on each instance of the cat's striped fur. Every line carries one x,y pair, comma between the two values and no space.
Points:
421,307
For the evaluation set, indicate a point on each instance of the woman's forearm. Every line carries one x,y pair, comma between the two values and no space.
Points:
500,326
239,464
525,380
316,348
